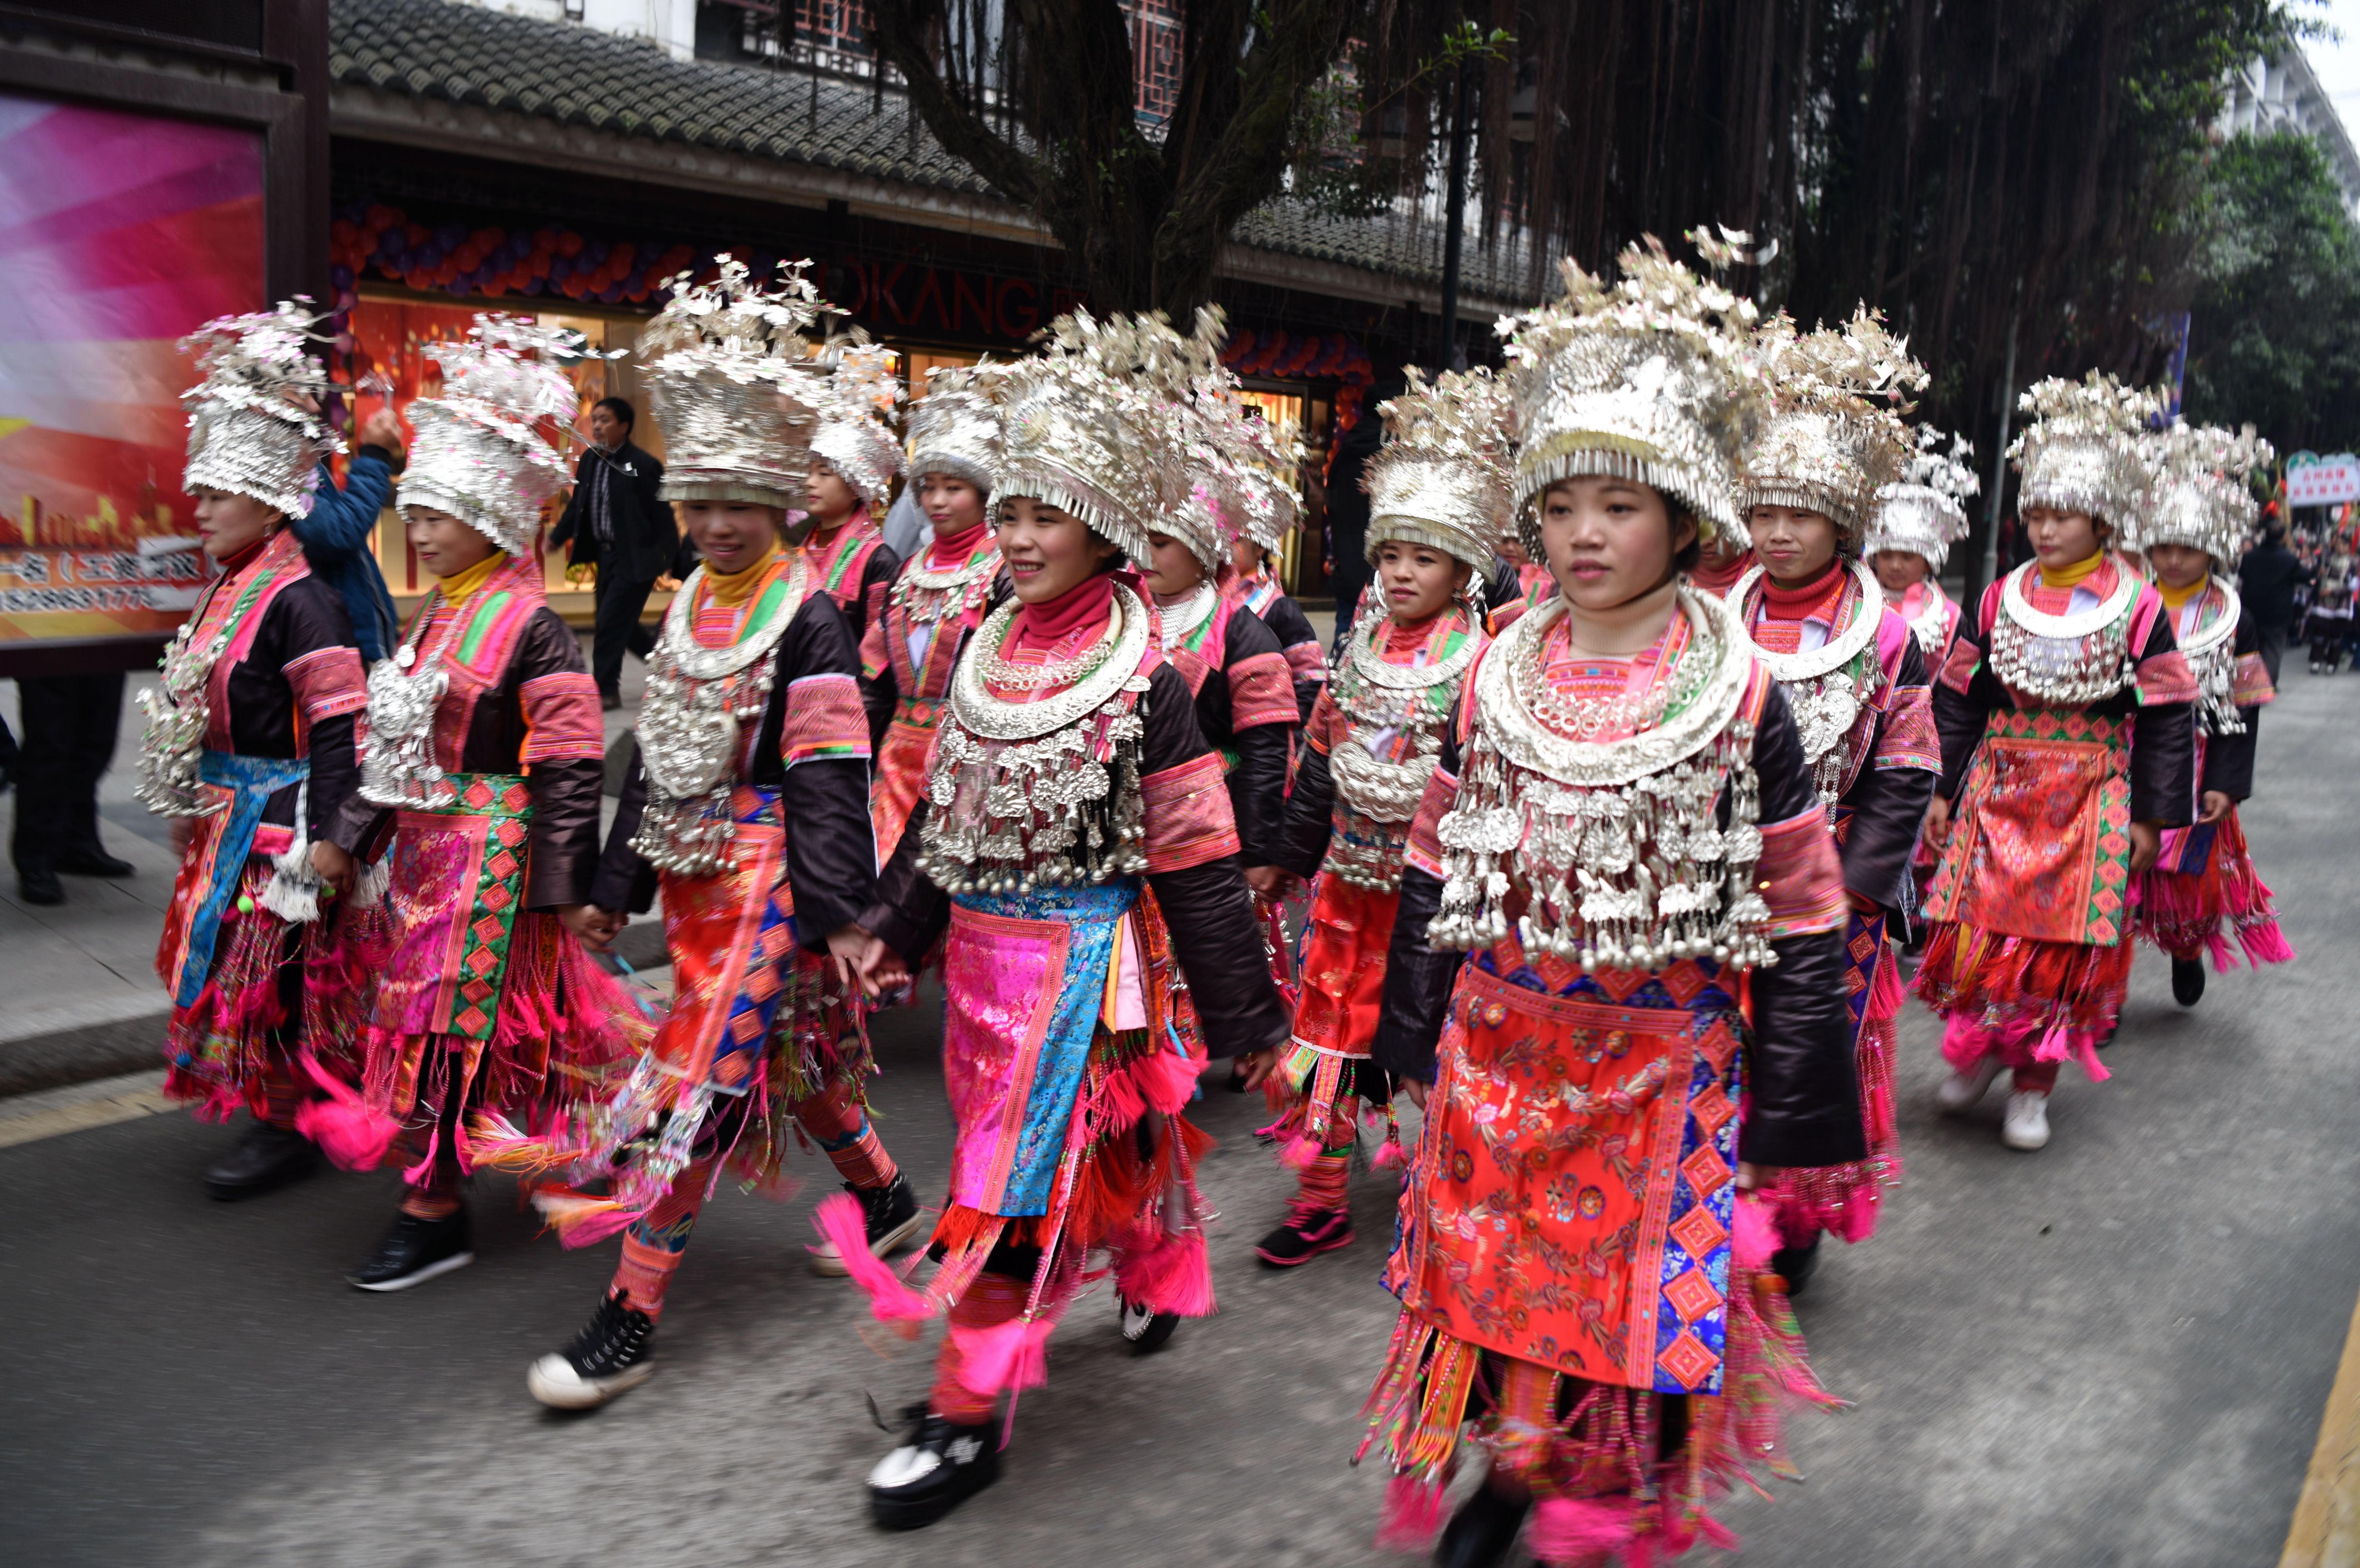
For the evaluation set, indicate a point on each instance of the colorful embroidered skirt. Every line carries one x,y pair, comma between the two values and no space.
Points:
2029,903
1327,1069
480,1005
2204,880
1846,1200
898,779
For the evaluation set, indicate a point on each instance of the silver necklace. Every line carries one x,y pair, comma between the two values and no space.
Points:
1181,620
1827,686
2068,660
398,766
1103,673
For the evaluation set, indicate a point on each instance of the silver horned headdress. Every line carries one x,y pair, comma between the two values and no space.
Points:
2082,450
255,425
733,385
854,436
2202,495
1924,511
1442,477
1834,435
1652,379
485,451
954,427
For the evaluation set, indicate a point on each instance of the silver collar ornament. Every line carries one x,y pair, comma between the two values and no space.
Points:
1827,687
398,766
1180,621
1412,707
691,722
2068,660
2212,654
1617,845
1040,793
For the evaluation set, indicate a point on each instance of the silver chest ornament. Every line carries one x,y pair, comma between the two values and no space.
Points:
2211,652
698,701
1372,696
398,766
2069,660
172,744
1829,687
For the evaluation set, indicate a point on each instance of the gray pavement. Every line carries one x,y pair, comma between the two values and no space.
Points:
2115,1352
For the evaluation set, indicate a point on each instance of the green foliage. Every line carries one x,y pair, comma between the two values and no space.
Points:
2274,338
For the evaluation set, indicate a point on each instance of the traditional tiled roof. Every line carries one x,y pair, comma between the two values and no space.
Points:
581,76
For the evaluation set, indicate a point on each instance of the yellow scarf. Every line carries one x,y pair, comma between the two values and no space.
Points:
2071,576
2176,599
457,590
733,589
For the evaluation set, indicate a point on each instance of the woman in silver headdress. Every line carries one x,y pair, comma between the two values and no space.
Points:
1269,511
249,746
481,774
2068,748
1077,843
1857,683
1614,983
1438,502
854,461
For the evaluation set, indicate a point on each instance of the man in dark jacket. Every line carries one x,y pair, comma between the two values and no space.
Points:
616,523
2266,581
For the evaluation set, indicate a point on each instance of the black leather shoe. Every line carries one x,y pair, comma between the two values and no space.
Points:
891,1216
40,887
92,861
1796,1265
414,1251
942,1466
606,1360
266,1157
1482,1532
1144,1329
610,701
2187,981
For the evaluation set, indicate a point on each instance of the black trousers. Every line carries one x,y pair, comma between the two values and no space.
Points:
2273,648
68,740
616,630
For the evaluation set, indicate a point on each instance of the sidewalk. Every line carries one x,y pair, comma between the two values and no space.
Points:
79,996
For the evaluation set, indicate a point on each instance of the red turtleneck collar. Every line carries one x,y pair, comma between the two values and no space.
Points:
1717,576
952,550
1079,610
244,558
1796,603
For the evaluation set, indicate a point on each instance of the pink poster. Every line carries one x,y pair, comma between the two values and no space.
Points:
119,233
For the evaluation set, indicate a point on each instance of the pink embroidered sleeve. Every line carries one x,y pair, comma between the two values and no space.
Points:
1307,664
1261,691
1908,738
328,682
823,719
1319,733
1802,880
2250,686
2165,677
872,648
1960,662
1425,828
561,718
1188,820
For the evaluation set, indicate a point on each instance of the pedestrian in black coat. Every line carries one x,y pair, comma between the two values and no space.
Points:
617,524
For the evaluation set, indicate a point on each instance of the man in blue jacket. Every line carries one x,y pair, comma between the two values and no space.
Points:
335,537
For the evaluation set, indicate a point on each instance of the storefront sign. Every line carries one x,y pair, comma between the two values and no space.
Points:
119,233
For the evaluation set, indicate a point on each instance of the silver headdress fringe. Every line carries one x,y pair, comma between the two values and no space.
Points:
1653,378
1442,479
1924,512
954,427
2203,495
733,385
1268,465
854,435
484,452
2082,450
255,425
1834,435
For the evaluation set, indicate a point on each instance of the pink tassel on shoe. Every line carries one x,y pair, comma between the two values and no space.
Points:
1580,1531
841,1222
353,1136
1301,1154
1007,1357
1413,1515
1174,1276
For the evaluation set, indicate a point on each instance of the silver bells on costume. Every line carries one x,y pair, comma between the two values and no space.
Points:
2202,495
954,427
1443,477
854,436
733,387
484,452
255,425
1094,426
1924,513
1834,435
2082,450
1651,378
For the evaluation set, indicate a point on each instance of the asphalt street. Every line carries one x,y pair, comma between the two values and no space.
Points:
2115,1351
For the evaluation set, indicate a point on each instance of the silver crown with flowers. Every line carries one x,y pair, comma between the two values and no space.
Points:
854,436
255,425
485,451
1442,478
954,427
733,385
1924,513
2084,450
1267,467
1653,378
2203,495
1834,436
